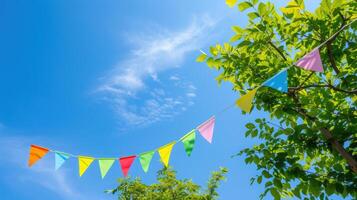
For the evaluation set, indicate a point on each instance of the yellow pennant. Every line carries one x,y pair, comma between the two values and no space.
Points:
245,102
83,163
165,152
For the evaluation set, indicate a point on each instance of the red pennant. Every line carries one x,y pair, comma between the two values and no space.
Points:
125,163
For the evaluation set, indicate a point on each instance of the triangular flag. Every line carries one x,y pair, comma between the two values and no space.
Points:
125,163
188,141
279,81
60,158
246,101
104,165
36,153
83,163
311,61
165,152
145,159
206,129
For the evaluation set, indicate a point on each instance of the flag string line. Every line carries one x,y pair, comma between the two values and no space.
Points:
219,112
323,43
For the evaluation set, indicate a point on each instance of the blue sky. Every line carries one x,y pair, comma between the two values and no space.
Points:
109,79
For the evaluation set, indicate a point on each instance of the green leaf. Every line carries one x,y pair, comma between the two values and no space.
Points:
266,174
253,15
277,183
289,131
237,29
254,133
315,187
252,180
261,8
210,62
274,192
201,58
330,189
267,184
231,3
244,5
259,179
250,126
297,4
214,51
235,38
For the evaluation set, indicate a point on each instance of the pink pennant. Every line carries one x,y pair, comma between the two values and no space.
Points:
311,61
206,129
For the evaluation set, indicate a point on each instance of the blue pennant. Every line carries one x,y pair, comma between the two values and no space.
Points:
60,158
279,81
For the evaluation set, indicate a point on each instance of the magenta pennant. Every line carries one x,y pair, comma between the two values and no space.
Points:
311,61
206,129
125,163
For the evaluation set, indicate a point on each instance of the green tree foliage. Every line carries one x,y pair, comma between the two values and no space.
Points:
311,152
169,187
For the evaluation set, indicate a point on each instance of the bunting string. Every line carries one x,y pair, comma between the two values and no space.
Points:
84,162
311,61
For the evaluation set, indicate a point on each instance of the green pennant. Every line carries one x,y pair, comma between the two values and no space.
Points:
104,165
189,141
145,159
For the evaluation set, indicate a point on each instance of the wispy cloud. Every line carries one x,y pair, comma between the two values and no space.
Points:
136,89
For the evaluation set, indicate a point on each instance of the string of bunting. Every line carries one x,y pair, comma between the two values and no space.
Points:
188,140
311,61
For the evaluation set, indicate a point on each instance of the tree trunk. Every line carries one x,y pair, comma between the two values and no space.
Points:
339,148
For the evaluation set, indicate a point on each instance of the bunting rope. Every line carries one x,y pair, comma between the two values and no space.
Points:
205,129
311,61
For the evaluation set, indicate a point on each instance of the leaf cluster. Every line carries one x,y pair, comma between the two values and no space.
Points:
294,159
169,187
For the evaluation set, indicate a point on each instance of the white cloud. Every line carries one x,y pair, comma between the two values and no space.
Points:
129,86
174,78
191,94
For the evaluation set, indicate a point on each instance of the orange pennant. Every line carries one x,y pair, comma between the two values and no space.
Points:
36,153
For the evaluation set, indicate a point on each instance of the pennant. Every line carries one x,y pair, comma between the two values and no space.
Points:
165,152
189,141
104,165
60,158
125,163
145,159
206,129
279,81
83,163
246,101
36,153
311,61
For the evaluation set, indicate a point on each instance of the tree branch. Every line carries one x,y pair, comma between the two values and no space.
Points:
278,50
323,86
327,134
330,56
331,40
